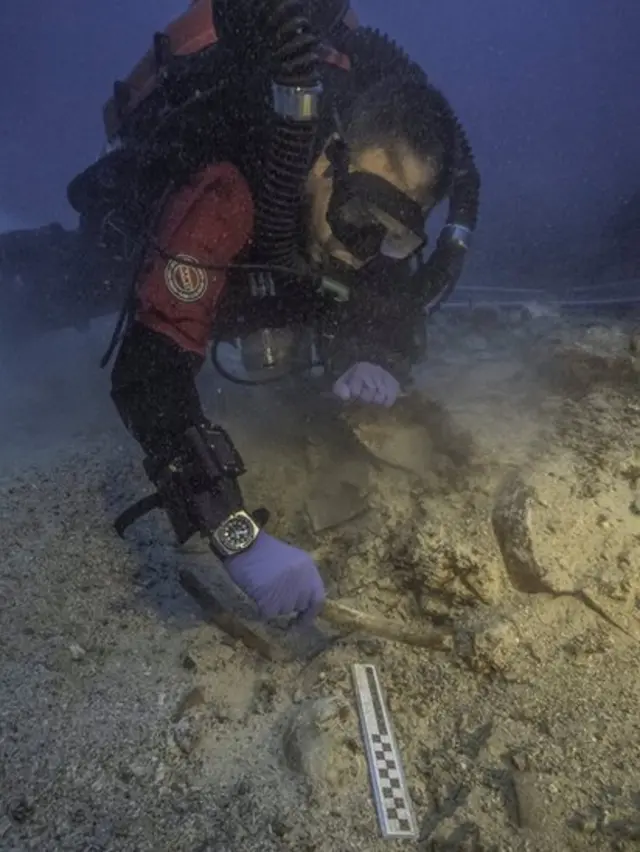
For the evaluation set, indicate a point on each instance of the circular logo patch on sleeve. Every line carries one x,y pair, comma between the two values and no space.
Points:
185,279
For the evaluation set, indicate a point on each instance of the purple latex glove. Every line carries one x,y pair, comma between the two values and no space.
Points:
281,579
367,383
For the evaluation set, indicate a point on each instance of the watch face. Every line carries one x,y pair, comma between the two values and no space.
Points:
237,533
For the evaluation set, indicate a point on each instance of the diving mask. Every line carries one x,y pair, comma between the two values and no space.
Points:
370,216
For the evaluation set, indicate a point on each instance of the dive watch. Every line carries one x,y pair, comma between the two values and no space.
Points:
234,535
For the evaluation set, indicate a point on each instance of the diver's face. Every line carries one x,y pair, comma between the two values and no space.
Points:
401,167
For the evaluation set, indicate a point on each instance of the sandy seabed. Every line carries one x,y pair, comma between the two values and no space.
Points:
500,501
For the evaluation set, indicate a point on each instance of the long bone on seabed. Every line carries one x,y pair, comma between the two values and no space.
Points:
339,615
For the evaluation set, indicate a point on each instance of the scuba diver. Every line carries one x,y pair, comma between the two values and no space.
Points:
271,166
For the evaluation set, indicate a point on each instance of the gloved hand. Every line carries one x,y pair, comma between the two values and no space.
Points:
367,383
281,579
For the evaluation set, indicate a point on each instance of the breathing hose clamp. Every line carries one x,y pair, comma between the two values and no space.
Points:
459,235
297,103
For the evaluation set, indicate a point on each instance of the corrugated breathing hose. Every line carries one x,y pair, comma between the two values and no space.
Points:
295,70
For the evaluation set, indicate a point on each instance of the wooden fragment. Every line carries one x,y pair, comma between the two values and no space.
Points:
345,617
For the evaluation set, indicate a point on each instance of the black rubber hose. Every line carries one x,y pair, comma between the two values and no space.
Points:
464,194
437,278
294,63
328,16
272,34
295,48
277,35
278,206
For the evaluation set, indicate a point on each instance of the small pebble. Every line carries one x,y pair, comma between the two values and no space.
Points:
520,761
192,698
225,652
370,647
587,824
20,810
187,733
77,652
189,663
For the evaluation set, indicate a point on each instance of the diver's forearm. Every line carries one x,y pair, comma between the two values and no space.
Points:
154,390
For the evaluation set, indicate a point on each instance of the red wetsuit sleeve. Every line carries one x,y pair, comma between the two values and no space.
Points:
208,222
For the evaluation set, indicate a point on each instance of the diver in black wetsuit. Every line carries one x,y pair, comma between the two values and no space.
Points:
301,221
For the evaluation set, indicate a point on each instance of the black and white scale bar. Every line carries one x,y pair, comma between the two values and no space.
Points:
393,804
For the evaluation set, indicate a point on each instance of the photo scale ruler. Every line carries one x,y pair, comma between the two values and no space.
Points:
390,792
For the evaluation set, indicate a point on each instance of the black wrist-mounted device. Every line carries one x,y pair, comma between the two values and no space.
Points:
197,486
